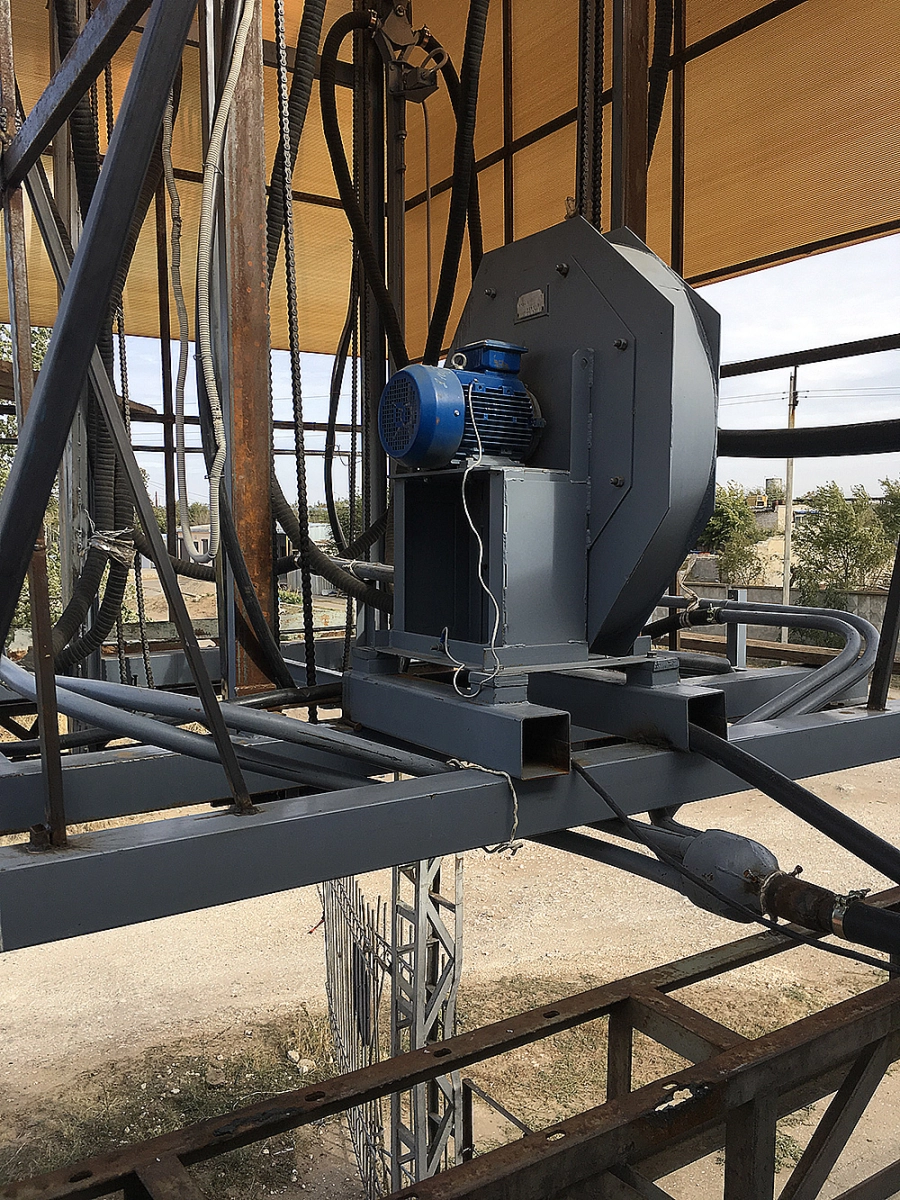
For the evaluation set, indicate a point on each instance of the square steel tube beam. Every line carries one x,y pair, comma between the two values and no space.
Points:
105,31
119,876
527,741
606,702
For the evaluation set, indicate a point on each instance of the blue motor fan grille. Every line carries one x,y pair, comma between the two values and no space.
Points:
506,424
398,415
421,415
424,417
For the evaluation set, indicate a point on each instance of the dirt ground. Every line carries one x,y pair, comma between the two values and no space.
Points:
166,1008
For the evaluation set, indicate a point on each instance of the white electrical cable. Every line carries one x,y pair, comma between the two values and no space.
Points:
445,635
184,516
212,168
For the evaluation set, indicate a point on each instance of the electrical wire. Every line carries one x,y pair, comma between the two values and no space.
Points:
479,571
211,170
745,910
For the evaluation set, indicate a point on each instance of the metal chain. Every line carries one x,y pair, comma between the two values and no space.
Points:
596,180
294,343
124,672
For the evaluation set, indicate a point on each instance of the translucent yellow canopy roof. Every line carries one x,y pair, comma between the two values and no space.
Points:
791,145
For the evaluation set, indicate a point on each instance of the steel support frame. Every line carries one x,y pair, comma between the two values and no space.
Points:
184,863
427,940
731,1095
105,31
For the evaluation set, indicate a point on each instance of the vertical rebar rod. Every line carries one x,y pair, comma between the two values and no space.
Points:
789,504
284,120
887,646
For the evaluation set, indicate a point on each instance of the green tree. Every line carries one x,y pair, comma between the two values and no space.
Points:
888,511
841,544
732,520
732,534
319,512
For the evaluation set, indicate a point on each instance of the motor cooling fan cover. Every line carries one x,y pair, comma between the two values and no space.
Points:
422,415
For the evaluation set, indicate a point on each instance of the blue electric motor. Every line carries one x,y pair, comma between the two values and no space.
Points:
428,415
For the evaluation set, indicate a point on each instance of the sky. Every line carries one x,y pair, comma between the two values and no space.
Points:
834,297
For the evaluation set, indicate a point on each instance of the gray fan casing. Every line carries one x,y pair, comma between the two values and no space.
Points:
582,540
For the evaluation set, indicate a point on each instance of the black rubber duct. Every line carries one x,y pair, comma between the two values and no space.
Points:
112,508
325,566
362,239
476,234
822,441
334,399
463,169
103,622
870,926
84,302
862,842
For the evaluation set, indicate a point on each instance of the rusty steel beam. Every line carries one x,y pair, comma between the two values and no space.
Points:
249,411
644,1122
15,235
163,1179
628,200
682,1029
104,33
837,1124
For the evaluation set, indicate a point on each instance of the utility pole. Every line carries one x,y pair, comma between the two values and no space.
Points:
789,502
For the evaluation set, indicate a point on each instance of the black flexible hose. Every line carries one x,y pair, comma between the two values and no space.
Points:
704,614
836,825
871,926
323,565
342,27
476,233
273,662
112,506
463,169
334,399
298,105
821,441
101,626
641,865
664,23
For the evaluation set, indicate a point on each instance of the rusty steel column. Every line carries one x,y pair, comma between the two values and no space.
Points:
54,831
629,129
249,415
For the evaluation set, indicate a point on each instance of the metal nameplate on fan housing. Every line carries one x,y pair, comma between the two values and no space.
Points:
531,304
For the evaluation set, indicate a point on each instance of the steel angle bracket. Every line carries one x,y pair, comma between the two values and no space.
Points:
612,703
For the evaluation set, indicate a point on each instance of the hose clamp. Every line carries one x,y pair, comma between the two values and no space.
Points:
842,903
764,885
